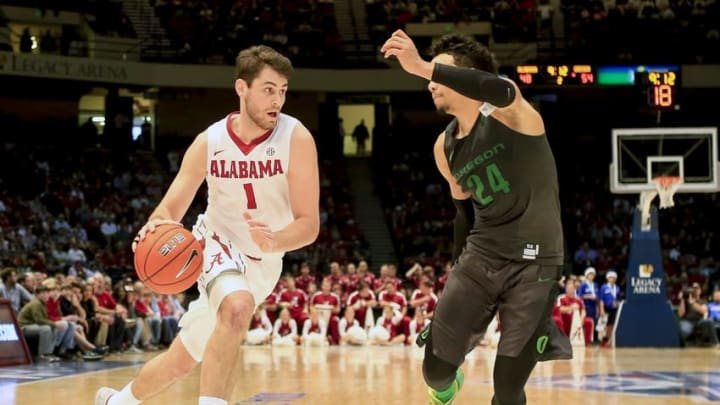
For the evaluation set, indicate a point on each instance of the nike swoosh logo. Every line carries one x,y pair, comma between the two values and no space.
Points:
545,279
218,152
184,268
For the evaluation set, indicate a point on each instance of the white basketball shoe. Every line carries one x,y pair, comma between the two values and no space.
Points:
102,396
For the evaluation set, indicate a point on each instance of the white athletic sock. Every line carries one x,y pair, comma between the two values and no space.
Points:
211,401
124,397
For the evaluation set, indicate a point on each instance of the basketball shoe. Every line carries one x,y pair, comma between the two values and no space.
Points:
102,396
436,398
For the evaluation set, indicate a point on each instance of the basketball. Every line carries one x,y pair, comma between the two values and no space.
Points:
169,260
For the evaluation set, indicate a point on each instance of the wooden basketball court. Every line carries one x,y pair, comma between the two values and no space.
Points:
392,375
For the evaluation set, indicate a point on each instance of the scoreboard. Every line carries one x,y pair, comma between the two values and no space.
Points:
558,75
658,85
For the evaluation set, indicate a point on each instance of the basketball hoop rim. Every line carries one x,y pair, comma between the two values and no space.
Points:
667,182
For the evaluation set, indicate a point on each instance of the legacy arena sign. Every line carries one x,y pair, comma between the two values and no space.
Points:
645,283
73,68
80,68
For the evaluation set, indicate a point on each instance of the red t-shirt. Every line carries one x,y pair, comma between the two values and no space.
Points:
297,300
53,309
106,300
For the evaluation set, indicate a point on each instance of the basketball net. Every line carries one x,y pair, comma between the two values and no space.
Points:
665,187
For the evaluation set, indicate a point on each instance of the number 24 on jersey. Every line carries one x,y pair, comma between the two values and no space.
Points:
494,179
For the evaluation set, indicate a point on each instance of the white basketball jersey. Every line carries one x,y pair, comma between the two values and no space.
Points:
248,178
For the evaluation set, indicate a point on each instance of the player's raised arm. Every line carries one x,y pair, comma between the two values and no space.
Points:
472,83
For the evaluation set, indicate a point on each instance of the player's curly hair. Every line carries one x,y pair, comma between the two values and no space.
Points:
252,60
466,51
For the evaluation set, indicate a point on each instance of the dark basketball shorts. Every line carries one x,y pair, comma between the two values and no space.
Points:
522,292
611,314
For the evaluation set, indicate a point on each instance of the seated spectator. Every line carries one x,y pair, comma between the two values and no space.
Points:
568,305
350,331
391,297
327,305
72,311
388,328
314,332
140,334
29,281
34,321
285,331
364,273
305,278
260,330
170,316
65,332
10,289
106,305
93,318
294,300
271,307
423,299
78,270
694,322
363,303
153,319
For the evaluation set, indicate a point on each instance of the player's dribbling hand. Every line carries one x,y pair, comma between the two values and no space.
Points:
150,227
261,234
402,47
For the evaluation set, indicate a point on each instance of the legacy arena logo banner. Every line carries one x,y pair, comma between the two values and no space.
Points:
645,283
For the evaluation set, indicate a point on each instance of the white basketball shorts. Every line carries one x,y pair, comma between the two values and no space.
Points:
225,270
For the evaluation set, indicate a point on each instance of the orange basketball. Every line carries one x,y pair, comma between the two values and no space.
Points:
169,260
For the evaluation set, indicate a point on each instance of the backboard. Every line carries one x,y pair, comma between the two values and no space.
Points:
641,154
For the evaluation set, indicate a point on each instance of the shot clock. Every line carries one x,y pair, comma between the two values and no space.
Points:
660,87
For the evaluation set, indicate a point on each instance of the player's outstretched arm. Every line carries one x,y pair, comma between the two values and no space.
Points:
472,83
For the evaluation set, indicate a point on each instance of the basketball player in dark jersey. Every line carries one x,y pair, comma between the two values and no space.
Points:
508,234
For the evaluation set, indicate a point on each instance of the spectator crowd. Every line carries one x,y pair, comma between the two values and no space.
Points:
209,31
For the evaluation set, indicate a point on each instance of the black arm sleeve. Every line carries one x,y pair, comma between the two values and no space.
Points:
475,84
464,219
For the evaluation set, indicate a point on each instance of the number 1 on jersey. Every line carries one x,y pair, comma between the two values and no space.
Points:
250,194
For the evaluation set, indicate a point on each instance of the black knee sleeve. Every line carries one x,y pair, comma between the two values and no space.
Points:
510,376
438,373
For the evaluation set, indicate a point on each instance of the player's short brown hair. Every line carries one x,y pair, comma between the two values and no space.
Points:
251,61
466,51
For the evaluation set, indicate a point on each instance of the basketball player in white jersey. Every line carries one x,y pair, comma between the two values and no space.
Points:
263,196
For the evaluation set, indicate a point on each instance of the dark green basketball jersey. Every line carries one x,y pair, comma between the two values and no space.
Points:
513,181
